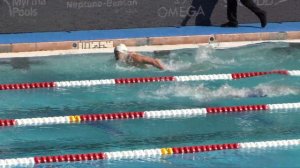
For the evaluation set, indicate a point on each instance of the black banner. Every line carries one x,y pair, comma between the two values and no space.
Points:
68,15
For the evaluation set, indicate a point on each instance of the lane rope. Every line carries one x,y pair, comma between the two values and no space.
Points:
160,114
145,153
118,81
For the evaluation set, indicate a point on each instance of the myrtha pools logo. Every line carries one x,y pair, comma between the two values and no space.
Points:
23,8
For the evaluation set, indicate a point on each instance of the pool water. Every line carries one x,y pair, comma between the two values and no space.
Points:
16,142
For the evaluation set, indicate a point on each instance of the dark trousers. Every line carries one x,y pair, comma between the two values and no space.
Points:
232,9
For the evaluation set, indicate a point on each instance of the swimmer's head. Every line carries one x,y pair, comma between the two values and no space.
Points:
120,51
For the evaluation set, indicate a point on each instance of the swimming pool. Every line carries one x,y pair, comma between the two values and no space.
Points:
106,136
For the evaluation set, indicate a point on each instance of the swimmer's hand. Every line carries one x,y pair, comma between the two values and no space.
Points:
158,64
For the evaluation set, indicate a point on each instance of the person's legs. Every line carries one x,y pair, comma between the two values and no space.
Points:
231,14
232,11
258,12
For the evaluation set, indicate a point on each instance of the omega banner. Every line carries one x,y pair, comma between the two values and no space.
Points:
68,15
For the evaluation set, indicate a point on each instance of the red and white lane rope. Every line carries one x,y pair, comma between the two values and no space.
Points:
233,76
146,114
145,153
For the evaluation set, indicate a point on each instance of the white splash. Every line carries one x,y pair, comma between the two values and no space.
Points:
206,54
176,63
203,93
124,67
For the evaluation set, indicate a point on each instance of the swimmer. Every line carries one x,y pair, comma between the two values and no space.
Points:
122,54
227,91
256,93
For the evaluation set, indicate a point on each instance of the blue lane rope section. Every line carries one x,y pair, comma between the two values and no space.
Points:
143,32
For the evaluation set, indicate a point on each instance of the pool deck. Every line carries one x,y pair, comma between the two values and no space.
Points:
74,40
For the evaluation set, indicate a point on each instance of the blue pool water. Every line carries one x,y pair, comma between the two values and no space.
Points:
155,133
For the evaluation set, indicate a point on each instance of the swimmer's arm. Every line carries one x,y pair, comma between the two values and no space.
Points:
147,60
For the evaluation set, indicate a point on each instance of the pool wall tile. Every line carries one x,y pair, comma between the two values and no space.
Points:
132,42
237,37
172,40
67,45
278,36
5,48
23,47
179,40
293,35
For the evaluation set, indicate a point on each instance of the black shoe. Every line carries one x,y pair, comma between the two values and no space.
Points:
263,18
229,24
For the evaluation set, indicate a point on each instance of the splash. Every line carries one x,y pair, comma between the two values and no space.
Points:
207,59
204,93
124,67
173,65
202,59
204,54
275,91
175,62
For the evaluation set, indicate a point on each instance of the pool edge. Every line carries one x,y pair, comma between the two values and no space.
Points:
149,41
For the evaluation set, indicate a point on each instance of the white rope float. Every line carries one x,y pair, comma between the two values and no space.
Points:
160,114
145,153
88,83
